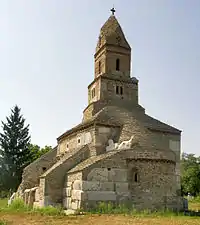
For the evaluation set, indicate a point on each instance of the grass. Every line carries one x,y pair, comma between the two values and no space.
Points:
19,206
104,214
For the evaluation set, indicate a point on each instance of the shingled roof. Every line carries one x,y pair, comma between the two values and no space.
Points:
155,124
111,32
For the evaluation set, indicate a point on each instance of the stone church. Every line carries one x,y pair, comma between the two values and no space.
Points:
117,153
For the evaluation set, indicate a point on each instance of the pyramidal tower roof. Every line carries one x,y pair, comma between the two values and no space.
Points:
111,33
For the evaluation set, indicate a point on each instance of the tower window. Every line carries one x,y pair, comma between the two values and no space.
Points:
93,92
117,90
121,90
136,177
117,64
99,67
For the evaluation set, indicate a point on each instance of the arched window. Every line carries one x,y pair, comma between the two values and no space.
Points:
134,175
99,67
117,64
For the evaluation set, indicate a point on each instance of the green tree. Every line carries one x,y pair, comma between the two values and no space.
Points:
15,154
190,170
37,152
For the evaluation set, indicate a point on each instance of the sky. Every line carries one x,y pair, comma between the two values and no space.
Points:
47,61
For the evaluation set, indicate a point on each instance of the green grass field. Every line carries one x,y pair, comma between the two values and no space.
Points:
18,214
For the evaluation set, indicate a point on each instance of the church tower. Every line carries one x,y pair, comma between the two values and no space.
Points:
112,84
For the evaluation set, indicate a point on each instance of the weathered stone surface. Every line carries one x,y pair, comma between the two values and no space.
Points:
107,186
118,175
77,185
79,195
67,202
68,184
67,192
121,187
101,196
31,174
75,205
37,195
37,205
98,174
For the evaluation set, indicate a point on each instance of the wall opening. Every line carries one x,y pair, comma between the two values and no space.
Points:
93,93
121,90
99,67
117,90
117,64
136,177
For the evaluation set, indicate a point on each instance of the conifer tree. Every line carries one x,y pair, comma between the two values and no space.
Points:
14,149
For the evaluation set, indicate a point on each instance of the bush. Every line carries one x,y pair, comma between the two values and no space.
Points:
18,205
3,222
195,199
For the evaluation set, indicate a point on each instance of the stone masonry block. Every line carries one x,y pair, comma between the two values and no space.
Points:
79,195
122,196
67,192
98,174
91,185
67,203
37,195
118,175
37,205
121,187
68,184
75,205
107,186
77,185
101,196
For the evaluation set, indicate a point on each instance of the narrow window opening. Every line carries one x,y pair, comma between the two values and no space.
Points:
79,140
93,92
121,90
44,168
117,64
117,90
67,146
99,67
109,169
136,177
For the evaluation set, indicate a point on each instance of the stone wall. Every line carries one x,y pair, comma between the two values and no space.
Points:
103,134
76,140
31,174
94,92
101,185
143,178
165,141
155,180
52,182
130,90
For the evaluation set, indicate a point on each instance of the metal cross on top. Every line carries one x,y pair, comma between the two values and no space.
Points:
113,11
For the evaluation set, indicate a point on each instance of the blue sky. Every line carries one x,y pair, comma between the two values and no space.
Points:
46,61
